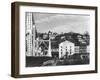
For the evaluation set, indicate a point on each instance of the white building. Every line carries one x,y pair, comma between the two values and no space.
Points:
28,31
88,49
66,48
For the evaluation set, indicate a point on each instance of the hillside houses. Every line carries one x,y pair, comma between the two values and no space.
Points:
71,43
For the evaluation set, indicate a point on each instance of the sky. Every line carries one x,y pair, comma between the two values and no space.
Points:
59,23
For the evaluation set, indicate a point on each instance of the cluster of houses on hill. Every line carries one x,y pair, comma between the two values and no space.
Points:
69,44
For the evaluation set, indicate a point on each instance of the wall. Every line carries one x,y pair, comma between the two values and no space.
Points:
5,40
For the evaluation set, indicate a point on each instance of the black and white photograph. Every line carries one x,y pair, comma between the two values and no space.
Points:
54,39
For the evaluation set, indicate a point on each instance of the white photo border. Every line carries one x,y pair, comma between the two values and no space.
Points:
54,69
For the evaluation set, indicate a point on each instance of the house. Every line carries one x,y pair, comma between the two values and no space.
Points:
66,48
88,49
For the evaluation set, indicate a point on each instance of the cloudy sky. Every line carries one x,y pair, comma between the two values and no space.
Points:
61,22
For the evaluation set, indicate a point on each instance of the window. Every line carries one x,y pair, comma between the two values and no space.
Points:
66,50
61,53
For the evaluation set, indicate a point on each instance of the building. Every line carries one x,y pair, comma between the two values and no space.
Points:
29,34
88,49
66,48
